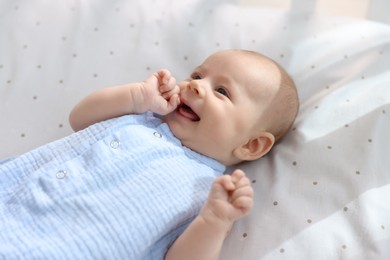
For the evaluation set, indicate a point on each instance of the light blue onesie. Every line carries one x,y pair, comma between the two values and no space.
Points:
121,189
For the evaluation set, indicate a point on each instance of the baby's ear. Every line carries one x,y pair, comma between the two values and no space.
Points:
256,147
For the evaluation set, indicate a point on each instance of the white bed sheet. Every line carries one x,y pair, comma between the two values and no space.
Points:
320,194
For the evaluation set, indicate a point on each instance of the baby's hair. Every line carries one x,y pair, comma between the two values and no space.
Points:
289,102
284,108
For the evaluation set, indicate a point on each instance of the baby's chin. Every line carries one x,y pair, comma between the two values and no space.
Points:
176,128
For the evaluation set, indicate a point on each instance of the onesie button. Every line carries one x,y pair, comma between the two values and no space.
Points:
114,144
157,134
61,174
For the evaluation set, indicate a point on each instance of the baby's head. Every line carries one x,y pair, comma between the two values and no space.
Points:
235,106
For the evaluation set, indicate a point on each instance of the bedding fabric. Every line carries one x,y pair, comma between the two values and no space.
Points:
322,193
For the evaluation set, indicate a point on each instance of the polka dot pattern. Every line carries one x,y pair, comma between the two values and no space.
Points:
320,191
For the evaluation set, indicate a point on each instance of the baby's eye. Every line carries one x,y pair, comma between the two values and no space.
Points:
222,91
195,76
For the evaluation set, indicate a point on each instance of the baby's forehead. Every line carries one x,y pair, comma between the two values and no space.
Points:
257,74
262,84
240,55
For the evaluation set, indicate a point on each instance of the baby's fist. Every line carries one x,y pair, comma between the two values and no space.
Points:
163,92
231,197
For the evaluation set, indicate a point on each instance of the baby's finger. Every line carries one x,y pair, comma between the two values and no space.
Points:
173,102
244,181
237,175
245,204
168,86
163,75
225,182
173,91
244,191
238,172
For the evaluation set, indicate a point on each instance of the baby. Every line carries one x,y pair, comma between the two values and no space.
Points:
135,186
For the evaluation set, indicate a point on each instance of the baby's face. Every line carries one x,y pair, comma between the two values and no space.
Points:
222,103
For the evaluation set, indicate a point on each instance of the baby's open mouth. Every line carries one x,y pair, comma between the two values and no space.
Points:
187,112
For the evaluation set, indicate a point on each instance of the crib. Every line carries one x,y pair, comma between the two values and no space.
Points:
321,193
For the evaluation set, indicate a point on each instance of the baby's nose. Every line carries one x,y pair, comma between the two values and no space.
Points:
195,87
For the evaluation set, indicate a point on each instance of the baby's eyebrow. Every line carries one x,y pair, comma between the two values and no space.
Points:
197,68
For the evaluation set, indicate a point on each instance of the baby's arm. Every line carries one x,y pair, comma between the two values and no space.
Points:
230,198
158,93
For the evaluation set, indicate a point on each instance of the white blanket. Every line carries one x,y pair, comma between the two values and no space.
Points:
320,194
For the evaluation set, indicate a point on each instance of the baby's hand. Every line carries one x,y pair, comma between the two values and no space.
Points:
161,92
230,198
